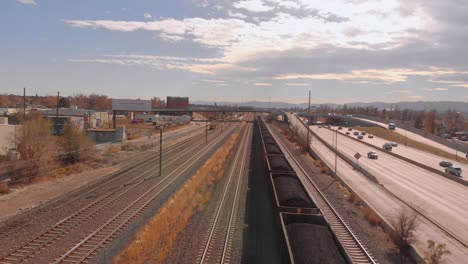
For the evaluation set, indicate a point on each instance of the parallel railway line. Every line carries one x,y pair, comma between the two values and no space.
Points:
217,244
113,179
122,218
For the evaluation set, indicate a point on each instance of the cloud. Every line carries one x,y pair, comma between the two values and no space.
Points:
262,84
297,84
252,5
212,81
436,89
372,75
462,85
416,97
27,2
398,91
147,16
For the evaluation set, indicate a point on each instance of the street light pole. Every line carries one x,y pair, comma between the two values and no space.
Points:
336,151
206,131
160,149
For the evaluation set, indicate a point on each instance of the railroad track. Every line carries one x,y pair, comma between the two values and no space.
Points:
355,249
118,176
54,233
217,243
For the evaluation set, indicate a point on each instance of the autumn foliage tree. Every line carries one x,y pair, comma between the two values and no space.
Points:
76,146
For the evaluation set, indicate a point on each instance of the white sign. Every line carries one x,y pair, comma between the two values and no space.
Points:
131,105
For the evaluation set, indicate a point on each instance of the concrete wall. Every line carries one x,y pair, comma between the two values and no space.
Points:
108,135
7,133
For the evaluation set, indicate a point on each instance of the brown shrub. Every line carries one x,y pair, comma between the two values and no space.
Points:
4,189
371,216
355,199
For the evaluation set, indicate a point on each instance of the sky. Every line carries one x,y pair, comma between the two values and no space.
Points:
223,50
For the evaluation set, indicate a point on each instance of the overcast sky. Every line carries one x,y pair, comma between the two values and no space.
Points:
223,50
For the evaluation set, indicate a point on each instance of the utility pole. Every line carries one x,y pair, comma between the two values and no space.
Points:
24,102
308,124
206,131
160,149
56,114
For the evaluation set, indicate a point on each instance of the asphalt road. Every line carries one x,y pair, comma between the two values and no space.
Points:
437,197
408,152
419,138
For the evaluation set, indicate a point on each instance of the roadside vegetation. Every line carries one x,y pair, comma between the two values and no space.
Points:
402,140
154,242
436,252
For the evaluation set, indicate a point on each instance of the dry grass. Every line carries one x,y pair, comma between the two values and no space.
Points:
4,189
394,136
155,241
113,150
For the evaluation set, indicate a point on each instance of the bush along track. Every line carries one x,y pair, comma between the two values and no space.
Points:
155,241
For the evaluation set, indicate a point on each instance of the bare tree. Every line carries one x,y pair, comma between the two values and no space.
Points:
436,252
404,225
75,144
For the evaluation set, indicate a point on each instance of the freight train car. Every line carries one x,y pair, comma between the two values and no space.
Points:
307,234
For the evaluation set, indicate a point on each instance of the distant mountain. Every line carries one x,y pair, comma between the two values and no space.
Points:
439,106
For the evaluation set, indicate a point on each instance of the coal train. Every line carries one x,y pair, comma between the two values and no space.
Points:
306,233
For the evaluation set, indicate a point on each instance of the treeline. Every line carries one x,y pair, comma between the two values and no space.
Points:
431,121
92,101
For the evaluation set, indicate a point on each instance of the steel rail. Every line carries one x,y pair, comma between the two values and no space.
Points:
208,244
106,181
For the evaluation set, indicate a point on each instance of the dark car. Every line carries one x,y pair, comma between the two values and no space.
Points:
355,133
347,133
360,137
445,164
363,132
394,144
372,155
350,129
453,170
370,136
339,128
387,146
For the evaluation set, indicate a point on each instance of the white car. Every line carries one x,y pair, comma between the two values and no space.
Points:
394,144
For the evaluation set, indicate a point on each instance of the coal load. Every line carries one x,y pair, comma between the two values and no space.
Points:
313,244
269,140
272,149
279,163
290,192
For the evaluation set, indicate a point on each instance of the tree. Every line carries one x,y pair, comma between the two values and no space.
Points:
430,124
75,144
35,143
436,252
404,225
64,102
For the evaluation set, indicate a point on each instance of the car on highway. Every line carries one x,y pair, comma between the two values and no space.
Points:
339,128
370,136
360,137
355,133
387,146
445,164
372,155
363,132
350,129
453,170
394,144
347,133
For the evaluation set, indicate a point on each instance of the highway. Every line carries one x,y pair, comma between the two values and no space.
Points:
439,198
419,138
412,153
